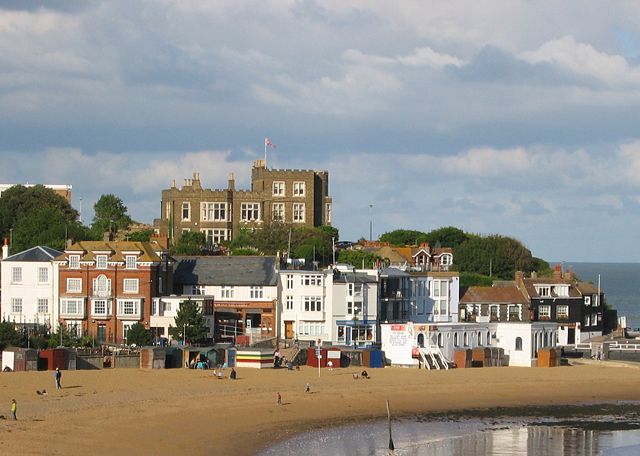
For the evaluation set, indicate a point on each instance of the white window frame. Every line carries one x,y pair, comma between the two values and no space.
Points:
563,315
129,308
78,306
101,261
131,261
327,213
587,300
250,212
130,285
186,206
215,235
289,281
227,292
102,302
311,280
74,285
298,213
543,290
16,305
289,302
74,261
101,286
16,274
299,189
43,305
544,311
278,212
256,292
214,211
43,275
312,304
279,188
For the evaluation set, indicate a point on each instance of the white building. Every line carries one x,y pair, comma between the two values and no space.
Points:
520,341
164,311
30,287
434,296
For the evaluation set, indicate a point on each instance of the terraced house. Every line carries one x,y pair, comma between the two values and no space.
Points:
296,197
106,287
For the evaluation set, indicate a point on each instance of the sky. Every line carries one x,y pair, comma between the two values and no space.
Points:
497,117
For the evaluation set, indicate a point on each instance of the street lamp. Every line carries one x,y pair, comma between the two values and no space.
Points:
370,223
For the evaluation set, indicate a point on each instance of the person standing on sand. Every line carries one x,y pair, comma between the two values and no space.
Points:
279,398
14,409
58,377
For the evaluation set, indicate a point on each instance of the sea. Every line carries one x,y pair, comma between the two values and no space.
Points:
620,283
481,437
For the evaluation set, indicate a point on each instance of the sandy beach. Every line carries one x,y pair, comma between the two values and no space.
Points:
179,410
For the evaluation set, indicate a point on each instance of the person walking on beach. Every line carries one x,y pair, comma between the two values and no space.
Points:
58,377
279,398
14,409
307,388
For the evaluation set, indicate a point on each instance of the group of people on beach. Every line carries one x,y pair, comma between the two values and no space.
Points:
57,375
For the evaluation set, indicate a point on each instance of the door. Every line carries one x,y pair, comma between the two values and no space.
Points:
571,336
347,336
288,330
102,333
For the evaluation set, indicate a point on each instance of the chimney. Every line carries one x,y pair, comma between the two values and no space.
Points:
5,248
557,271
519,277
232,182
568,275
173,183
534,275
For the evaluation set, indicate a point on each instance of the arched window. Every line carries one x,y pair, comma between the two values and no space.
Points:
546,340
479,338
518,343
440,344
101,286
488,338
465,337
421,340
455,339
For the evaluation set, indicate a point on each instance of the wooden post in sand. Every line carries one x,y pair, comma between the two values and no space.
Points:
391,446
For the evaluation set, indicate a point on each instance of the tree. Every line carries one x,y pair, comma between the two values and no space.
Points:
47,226
447,236
69,338
190,243
358,258
401,238
110,214
190,318
9,337
141,236
138,335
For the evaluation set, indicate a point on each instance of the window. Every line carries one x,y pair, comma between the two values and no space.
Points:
256,293
16,275
43,275
130,285
71,307
543,290
313,304
43,305
327,213
278,188
249,212
186,230
101,286
311,280
130,262
99,307
277,212
561,290
587,300
215,236
214,212
455,339
128,307
226,292
298,212
101,262
298,189
16,305
197,290
167,211
479,338
440,341
514,313
186,211
518,343
74,261
74,285
465,339
125,330
289,302
562,312
289,281
544,312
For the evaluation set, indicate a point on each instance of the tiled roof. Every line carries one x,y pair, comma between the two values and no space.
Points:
497,295
531,290
226,270
587,288
38,253
116,249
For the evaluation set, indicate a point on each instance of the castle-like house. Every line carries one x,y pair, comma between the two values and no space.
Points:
296,197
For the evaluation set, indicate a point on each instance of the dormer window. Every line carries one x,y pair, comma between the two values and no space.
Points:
130,261
101,261
74,261
543,290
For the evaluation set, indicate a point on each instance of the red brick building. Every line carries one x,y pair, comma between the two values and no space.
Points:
105,287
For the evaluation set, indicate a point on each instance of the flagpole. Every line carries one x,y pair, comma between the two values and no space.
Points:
265,153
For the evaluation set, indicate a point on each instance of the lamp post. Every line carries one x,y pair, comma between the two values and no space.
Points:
370,222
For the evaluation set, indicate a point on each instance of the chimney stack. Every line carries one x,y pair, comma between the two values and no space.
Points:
232,182
557,272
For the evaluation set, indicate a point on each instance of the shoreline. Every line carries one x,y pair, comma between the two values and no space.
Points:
164,411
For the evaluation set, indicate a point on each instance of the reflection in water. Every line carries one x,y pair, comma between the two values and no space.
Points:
466,438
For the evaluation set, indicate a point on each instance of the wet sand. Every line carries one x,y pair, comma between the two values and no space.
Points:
180,410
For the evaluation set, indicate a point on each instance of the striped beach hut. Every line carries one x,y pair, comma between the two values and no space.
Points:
256,358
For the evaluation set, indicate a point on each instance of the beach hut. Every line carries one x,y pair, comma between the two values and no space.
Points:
312,357
20,359
462,358
51,358
256,358
152,357
70,358
230,357
173,358
333,355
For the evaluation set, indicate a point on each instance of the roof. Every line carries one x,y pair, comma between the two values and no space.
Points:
354,277
38,253
587,288
530,284
497,295
115,249
226,270
393,272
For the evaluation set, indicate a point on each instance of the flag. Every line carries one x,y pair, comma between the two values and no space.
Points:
268,143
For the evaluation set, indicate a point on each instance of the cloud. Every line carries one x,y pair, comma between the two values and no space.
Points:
428,57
